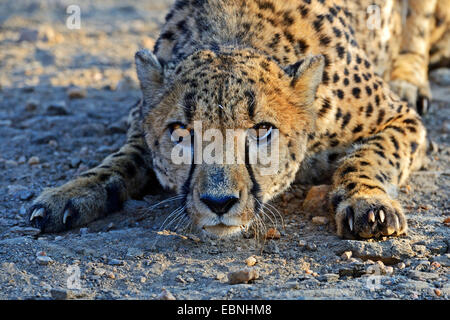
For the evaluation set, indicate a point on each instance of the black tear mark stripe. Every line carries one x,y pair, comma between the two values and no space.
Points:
256,188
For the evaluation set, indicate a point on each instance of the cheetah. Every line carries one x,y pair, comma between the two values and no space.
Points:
298,68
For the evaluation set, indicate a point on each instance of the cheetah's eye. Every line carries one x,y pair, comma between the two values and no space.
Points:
178,132
262,131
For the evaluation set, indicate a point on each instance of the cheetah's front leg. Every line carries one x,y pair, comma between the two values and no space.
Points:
99,191
361,198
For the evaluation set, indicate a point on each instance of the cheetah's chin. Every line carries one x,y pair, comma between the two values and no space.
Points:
222,230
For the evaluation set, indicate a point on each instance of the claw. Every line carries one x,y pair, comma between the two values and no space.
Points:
67,214
423,105
371,216
350,215
37,213
381,215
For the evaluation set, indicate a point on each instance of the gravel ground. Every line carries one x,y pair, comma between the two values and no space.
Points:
64,97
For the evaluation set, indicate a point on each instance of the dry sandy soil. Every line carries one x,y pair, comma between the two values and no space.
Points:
48,136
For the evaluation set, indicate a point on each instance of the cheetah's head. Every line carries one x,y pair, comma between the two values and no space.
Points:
196,111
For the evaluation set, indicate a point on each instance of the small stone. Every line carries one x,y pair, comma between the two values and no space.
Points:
328,277
43,138
311,246
110,226
110,275
446,221
250,261
57,108
75,162
142,280
33,160
57,238
44,260
134,253
220,276
99,271
5,123
302,243
84,231
22,160
346,255
60,294
316,203
243,276
437,292
401,266
389,270
25,195
11,163
423,276
29,35
165,295
26,231
31,105
115,262
76,93
319,220
273,233
443,260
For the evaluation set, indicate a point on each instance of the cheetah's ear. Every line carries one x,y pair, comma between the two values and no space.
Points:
150,74
306,76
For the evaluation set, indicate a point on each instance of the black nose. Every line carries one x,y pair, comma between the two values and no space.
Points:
219,205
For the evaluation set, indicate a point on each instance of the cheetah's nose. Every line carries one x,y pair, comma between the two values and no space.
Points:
219,205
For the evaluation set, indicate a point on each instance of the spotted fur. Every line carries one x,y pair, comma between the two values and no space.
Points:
302,66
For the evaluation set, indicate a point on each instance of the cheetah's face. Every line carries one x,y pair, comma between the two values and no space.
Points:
246,100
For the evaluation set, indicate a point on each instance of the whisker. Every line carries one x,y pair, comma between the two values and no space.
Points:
268,205
174,198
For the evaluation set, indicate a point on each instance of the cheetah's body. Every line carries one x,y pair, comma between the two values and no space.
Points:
299,65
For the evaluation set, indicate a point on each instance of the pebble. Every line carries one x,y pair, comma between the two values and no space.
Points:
422,276
165,295
328,277
26,231
115,262
250,261
356,271
29,35
437,292
22,160
311,246
57,108
346,255
33,160
84,231
273,233
31,105
316,203
99,271
75,162
220,276
60,294
76,93
401,266
319,220
43,138
134,253
25,195
243,276
443,260
44,260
